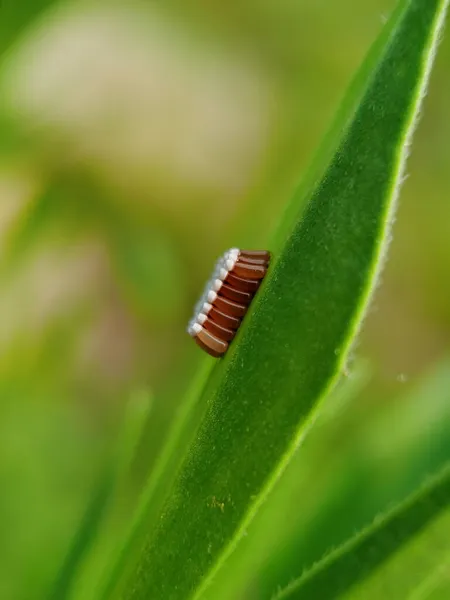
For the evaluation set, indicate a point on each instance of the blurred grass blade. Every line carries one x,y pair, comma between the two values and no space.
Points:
14,21
360,568
159,481
347,473
84,536
136,415
262,398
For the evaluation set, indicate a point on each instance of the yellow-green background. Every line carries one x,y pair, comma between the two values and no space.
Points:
137,141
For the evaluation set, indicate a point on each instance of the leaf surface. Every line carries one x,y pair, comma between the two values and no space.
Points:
263,396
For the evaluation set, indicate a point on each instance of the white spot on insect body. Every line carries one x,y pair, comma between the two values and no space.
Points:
206,308
223,266
212,295
194,329
217,284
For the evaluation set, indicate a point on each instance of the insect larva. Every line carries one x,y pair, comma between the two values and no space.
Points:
226,298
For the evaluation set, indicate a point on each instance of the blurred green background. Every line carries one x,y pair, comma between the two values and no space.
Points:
137,141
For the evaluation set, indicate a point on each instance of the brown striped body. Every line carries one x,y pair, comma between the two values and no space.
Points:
227,298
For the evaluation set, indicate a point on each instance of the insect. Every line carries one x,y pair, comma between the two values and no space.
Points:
226,298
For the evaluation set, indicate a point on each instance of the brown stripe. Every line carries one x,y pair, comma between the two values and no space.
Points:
211,344
249,271
230,308
235,294
221,332
261,254
240,283
254,261
225,320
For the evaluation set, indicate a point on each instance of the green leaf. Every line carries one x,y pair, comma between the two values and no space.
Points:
263,397
400,556
283,525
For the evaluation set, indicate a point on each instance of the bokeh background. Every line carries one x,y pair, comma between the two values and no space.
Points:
137,141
